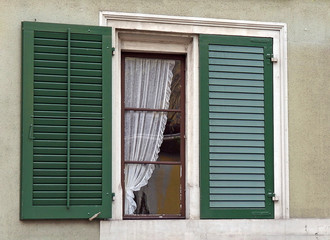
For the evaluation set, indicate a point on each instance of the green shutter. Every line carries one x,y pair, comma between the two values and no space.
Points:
236,127
66,121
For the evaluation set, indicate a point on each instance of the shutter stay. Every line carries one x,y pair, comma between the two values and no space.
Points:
94,216
68,124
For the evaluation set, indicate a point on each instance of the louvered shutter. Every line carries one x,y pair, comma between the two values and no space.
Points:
236,127
66,121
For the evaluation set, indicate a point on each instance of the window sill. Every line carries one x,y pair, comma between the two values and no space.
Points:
214,229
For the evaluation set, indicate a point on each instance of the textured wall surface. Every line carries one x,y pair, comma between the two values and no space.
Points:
308,86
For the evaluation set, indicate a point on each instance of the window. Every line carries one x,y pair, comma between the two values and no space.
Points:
171,35
153,135
221,132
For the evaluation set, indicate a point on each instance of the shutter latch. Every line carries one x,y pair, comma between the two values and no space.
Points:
273,196
31,132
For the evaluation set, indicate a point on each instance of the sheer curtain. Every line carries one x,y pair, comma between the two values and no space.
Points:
147,85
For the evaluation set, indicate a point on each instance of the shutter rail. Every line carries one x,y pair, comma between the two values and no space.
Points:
68,123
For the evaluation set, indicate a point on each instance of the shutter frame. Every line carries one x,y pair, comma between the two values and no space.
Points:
234,212
79,210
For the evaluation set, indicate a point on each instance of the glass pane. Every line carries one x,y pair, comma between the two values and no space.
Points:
152,83
161,195
170,148
141,128
176,86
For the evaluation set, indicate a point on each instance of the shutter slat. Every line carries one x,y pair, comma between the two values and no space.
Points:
250,123
247,143
226,129
237,163
231,204
237,177
236,62
235,69
240,76
241,183
62,194
237,190
226,48
241,136
248,170
73,165
238,197
235,89
233,55
236,116
62,158
237,156
62,187
240,103
236,109
236,82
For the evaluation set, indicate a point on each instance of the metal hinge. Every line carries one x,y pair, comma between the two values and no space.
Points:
113,51
273,196
271,57
113,196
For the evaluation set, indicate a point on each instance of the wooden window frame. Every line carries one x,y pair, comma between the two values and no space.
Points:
181,58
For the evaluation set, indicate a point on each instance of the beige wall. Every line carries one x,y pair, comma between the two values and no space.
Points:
308,84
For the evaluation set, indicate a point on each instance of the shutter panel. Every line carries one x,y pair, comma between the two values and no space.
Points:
236,127
66,121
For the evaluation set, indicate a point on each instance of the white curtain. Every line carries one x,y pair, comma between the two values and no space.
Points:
147,85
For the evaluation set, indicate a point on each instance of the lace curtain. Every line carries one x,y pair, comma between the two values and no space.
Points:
147,85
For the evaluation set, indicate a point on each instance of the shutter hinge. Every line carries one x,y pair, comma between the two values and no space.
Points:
113,196
273,196
113,51
271,57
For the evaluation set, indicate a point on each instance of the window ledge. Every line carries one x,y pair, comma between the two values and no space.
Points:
214,229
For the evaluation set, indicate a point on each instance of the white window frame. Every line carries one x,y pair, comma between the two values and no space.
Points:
172,34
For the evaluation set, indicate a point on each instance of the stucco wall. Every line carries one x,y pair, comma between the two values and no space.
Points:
308,79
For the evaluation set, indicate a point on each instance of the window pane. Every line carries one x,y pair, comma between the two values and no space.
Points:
145,78
176,86
139,136
170,148
162,193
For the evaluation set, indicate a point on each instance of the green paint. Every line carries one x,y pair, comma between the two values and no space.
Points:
231,97
66,162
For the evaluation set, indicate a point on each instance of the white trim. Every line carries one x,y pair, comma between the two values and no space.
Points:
193,21
153,32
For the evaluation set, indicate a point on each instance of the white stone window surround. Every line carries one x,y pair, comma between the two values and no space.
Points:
172,34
